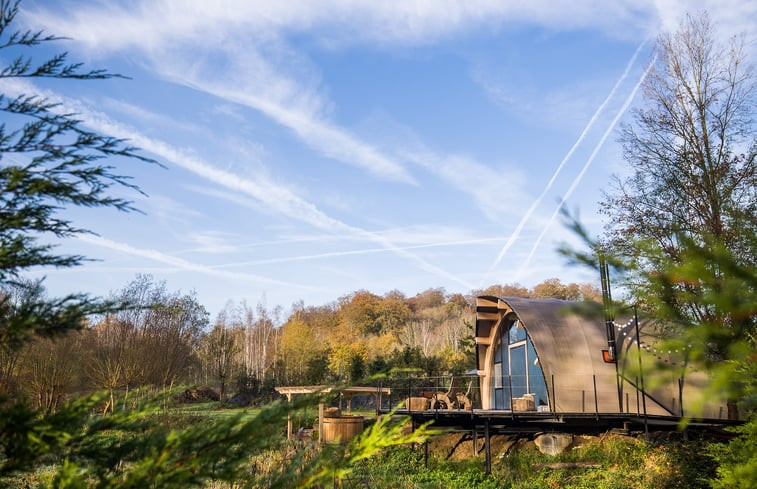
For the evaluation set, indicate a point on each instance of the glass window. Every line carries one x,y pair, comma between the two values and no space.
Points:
517,332
536,381
518,370
499,399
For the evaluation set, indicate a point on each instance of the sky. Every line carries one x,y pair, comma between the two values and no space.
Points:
312,149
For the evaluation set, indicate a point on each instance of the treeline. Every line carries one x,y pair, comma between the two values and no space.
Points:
164,339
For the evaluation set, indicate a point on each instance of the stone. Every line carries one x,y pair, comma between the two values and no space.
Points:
553,443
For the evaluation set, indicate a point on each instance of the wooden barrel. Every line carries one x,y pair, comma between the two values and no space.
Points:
342,428
416,403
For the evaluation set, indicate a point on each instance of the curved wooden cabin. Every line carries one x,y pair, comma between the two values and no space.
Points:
537,355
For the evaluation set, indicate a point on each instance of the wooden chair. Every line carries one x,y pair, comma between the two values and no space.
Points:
454,398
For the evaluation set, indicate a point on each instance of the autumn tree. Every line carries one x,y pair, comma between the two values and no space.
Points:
360,312
427,299
322,320
297,349
498,290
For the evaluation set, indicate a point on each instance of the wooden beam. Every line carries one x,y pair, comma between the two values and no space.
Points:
488,316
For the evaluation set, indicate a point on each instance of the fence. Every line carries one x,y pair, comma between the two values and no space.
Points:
564,393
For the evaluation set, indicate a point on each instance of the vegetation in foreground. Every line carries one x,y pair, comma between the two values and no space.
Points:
613,462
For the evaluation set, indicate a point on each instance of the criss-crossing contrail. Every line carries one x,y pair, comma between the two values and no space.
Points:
516,233
586,166
277,197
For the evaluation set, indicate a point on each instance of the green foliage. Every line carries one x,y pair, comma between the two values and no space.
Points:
624,463
146,446
50,161
737,460
403,467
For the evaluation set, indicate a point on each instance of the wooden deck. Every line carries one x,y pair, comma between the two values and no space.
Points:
502,421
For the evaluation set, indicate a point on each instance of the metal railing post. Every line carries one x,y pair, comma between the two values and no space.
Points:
554,396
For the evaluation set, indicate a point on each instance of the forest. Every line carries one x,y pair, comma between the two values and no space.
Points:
166,339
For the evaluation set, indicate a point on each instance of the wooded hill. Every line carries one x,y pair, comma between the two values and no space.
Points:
165,339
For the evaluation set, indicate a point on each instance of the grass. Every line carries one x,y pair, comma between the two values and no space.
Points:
624,463
211,410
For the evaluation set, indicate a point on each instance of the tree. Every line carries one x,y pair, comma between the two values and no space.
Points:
50,369
259,339
691,151
298,348
360,312
50,161
693,184
219,351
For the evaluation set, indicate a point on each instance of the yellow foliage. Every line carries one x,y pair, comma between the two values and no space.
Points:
298,346
342,354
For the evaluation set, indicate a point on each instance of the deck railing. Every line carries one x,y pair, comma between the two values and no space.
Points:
563,393
433,393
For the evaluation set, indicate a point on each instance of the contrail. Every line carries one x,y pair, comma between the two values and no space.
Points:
353,252
277,197
181,263
580,139
586,166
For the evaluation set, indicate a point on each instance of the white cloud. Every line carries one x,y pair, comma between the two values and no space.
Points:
215,242
152,24
271,194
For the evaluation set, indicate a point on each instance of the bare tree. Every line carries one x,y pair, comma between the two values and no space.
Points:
692,153
219,350
260,334
50,369
691,150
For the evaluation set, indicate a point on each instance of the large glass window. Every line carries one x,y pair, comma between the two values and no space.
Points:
536,380
516,364
518,370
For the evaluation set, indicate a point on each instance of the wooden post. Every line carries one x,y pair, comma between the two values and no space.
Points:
320,423
425,453
488,448
289,418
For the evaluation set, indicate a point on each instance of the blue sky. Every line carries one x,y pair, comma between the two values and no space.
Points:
315,148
